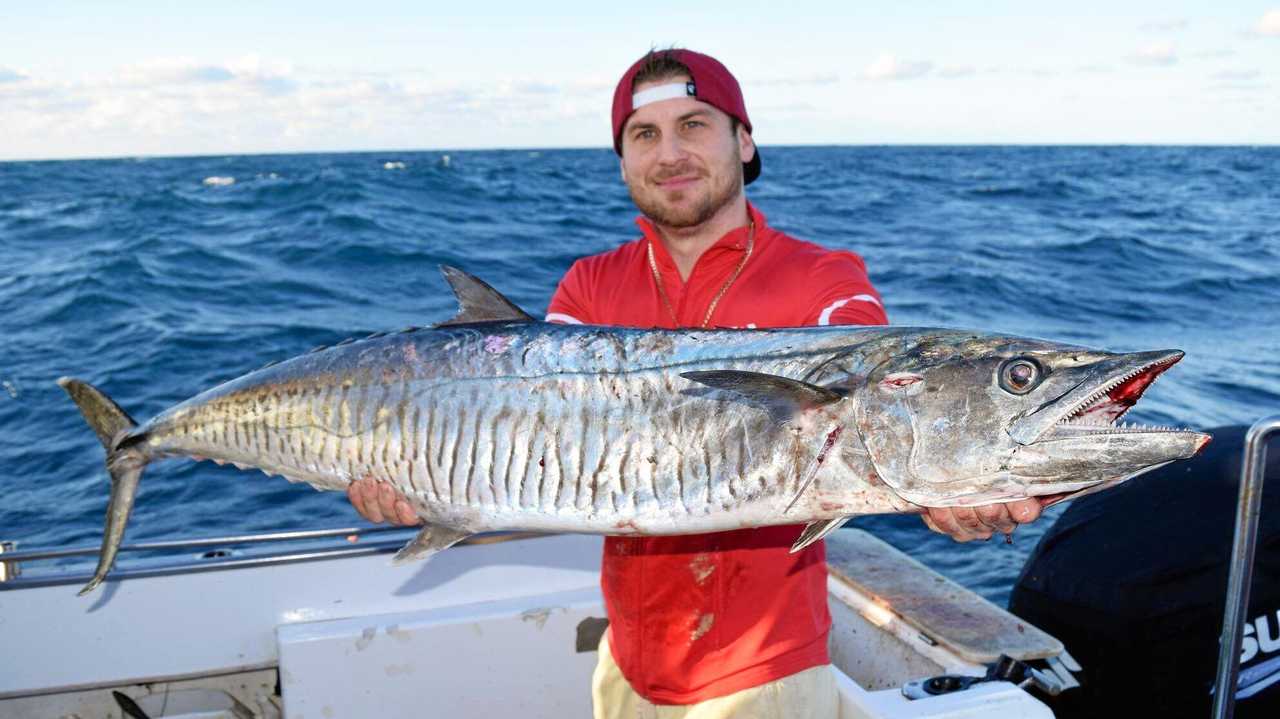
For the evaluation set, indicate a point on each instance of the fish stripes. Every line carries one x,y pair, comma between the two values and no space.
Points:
590,425
457,489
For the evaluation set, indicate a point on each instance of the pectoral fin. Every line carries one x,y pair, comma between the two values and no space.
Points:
813,531
783,397
430,540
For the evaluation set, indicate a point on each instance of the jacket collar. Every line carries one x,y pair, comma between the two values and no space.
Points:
734,242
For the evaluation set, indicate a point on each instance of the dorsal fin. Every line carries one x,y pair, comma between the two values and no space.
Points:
478,302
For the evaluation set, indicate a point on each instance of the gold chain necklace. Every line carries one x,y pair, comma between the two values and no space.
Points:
706,321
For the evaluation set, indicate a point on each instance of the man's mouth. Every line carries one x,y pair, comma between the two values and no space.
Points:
677,182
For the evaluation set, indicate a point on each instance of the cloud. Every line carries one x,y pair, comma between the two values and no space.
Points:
888,67
1238,87
209,73
169,71
537,88
953,72
791,108
269,76
825,78
1237,75
255,104
1166,25
1156,53
1269,24
250,71
7,75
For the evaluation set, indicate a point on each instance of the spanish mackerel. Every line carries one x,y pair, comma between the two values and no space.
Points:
493,421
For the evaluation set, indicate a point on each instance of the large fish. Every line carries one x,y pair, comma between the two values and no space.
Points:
493,421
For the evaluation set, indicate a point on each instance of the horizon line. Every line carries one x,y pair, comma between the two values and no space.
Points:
608,148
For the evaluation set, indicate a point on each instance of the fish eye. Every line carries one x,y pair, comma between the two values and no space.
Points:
1020,375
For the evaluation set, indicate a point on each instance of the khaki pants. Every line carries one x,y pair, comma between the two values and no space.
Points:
810,694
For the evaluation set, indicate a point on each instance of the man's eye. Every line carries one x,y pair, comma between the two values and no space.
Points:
694,124
644,135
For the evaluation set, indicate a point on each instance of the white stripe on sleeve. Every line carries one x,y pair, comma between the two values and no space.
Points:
825,318
562,318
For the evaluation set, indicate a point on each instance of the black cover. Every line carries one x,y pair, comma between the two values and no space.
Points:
1133,581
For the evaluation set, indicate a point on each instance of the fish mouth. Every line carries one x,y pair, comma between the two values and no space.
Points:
1102,410
1097,408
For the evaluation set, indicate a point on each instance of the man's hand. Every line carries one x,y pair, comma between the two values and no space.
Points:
965,524
380,502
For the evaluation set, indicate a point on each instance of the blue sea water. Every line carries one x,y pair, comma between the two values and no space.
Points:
157,278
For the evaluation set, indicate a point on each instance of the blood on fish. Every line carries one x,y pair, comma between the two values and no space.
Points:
1128,392
496,344
832,436
1124,395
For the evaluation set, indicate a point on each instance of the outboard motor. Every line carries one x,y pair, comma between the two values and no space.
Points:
1133,582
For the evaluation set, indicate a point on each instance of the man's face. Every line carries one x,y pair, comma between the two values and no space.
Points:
681,160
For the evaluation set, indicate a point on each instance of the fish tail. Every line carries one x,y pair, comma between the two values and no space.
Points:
125,462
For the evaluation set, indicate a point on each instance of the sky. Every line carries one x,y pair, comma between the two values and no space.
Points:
95,79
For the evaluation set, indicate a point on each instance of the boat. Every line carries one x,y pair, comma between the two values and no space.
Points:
317,624
1149,608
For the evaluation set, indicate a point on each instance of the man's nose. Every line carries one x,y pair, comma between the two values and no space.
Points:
671,148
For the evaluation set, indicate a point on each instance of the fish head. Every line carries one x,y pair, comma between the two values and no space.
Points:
966,419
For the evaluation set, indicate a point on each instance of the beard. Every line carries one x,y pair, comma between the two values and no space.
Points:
678,209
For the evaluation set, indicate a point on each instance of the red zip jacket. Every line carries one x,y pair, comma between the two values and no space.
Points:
701,616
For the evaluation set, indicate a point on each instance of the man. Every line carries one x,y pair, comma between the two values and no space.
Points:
730,623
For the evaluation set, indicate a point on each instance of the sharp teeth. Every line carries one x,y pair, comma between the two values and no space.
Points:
1077,416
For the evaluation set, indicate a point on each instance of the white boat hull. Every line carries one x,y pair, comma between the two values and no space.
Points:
498,629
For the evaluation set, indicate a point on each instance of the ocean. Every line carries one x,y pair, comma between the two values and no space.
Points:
158,278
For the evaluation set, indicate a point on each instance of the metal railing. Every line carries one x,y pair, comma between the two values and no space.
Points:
8,569
341,542
1252,477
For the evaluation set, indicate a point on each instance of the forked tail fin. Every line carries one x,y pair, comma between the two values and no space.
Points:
124,463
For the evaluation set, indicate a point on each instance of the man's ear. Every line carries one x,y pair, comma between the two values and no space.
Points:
746,145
